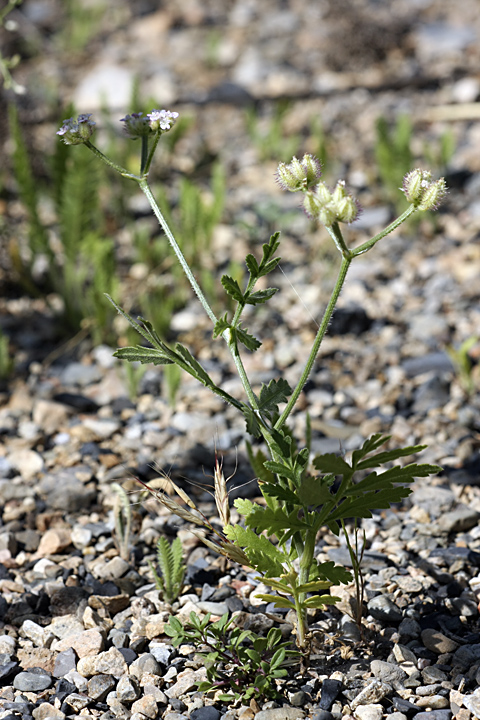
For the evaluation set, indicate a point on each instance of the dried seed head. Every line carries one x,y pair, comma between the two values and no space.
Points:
221,493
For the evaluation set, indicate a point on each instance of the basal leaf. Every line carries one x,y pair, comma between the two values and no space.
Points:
143,355
232,288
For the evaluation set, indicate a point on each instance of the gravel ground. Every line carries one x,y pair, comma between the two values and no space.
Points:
82,628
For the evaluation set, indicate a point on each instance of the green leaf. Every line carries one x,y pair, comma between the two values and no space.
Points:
280,469
265,556
267,265
316,490
250,342
369,446
389,456
276,521
244,506
319,601
277,391
221,325
314,586
331,463
260,296
198,370
253,427
257,461
232,288
144,355
252,265
279,492
280,602
277,658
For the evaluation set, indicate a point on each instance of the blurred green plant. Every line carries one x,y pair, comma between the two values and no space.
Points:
6,360
8,64
237,661
78,261
463,363
268,134
82,24
394,156
170,561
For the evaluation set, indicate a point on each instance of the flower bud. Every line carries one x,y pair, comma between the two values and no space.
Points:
323,194
136,126
299,175
348,209
414,184
77,133
162,120
433,195
311,205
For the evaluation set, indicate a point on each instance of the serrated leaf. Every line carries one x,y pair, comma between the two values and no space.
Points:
260,296
252,265
370,445
279,492
276,521
257,461
144,355
250,342
221,325
280,602
232,288
269,267
316,490
331,463
244,506
277,391
280,469
389,456
265,556
253,427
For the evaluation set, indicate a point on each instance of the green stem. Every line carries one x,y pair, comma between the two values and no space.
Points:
109,162
390,228
346,261
306,561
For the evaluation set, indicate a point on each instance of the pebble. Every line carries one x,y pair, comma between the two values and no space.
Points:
34,680
369,712
382,608
437,642
283,713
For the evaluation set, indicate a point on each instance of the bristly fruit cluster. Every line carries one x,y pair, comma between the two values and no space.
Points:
278,537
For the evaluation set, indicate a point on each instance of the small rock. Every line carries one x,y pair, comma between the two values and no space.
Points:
437,642
369,712
28,462
434,702
99,686
34,680
45,711
205,713
146,705
64,662
127,689
186,681
329,693
387,672
146,663
459,520
384,609
111,662
54,541
284,713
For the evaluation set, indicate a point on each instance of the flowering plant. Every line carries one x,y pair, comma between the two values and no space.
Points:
278,537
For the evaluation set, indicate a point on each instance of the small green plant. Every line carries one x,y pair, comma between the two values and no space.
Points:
6,361
278,537
463,363
269,135
84,264
8,64
172,569
393,154
122,515
356,551
237,661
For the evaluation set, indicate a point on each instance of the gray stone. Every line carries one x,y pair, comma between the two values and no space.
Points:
284,713
437,642
369,712
99,686
64,663
33,680
65,491
459,520
146,663
387,672
127,689
384,609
